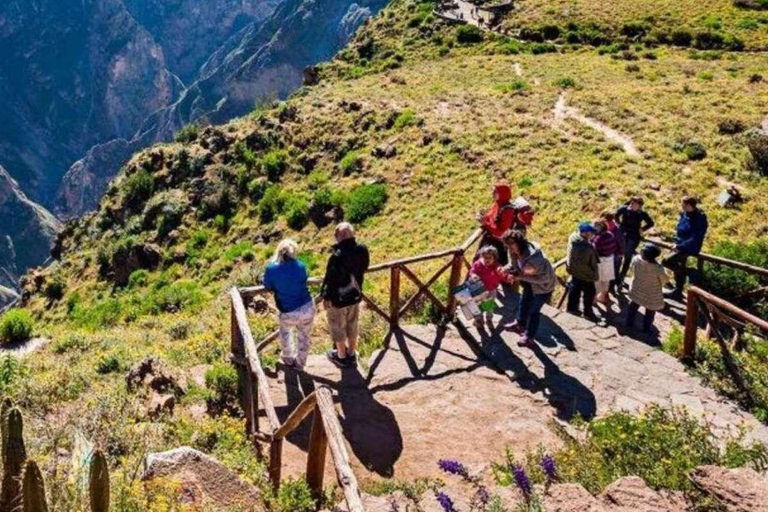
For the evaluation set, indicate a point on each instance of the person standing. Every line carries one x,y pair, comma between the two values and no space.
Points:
582,265
692,227
498,220
633,221
647,288
286,277
342,292
610,221
606,247
530,267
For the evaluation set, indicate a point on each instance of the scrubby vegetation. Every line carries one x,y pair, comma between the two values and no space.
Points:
661,446
146,275
15,326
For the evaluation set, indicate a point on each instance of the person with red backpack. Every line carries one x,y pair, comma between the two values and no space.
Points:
504,215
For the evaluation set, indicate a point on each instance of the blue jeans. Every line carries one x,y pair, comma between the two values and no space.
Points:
529,314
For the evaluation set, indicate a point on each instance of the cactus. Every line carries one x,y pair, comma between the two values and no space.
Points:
33,489
98,484
5,407
14,456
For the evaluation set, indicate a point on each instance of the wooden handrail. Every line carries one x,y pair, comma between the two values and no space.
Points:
297,416
711,258
694,295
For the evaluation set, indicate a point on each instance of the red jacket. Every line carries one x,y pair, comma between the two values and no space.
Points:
491,277
501,217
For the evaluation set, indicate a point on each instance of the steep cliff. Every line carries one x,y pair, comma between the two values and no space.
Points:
26,234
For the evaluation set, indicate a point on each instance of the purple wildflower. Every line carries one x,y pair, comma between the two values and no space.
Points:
482,497
445,501
453,467
522,481
549,467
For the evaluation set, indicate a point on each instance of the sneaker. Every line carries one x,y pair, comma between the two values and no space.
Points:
333,356
514,327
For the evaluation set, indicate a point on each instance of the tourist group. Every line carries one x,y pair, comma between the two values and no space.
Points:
601,253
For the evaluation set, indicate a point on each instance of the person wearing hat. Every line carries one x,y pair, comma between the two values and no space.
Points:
582,264
647,288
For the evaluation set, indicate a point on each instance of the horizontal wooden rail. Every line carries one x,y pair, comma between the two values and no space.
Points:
696,294
717,260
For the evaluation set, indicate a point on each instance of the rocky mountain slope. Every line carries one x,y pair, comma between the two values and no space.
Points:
104,81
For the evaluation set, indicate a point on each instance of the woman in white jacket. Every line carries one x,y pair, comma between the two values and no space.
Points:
647,285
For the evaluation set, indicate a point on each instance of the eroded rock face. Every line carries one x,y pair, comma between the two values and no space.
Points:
631,493
204,480
740,490
570,498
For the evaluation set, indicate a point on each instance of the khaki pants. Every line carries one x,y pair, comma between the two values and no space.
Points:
343,323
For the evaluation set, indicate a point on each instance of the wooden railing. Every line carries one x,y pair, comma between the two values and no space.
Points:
326,431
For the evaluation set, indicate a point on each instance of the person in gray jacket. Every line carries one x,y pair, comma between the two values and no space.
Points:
582,265
530,267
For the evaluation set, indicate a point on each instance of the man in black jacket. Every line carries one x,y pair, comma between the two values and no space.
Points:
633,222
342,292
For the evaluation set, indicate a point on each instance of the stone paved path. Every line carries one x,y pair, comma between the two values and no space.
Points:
460,393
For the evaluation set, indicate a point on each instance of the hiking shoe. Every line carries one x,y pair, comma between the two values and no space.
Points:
515,327
333,356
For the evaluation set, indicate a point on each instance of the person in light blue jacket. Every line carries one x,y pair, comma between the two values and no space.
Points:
286,277
691,229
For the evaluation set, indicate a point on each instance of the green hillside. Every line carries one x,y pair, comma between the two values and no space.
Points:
147,274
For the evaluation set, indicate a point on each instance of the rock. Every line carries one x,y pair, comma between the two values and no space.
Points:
631,493
205,481
387,150
152,374
197,374
729,197
126,260
160,404
311,75
570,498
740,489
258,305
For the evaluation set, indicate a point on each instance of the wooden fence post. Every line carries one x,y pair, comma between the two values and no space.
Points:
275,463
318,446
394,296
454,282
246,387
691,324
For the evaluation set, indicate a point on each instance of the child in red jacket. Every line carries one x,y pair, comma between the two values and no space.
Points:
489,271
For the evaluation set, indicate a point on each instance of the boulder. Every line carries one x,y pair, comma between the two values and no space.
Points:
570,498
152,374
730,197
311,75
740,489
386,150
127,260
160,404
204,481
631,493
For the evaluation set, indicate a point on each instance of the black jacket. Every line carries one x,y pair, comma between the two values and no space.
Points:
348,258
632,223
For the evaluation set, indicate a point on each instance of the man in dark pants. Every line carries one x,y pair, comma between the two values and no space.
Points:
691,229
633,222
582,262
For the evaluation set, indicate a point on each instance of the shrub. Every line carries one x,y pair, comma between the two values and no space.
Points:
635,29
137,188
517,85
71,342
256,189
468,34
222,383
54,289
182,295
12,372
758,149
271,204
366,201
565,83
242,250
541,48
274,163
693,150
138,278
108,364
219,199
188,134
708,40
352,162
550,32
661,446
731,126
297,211
406,118
733,284
681,38
294,496
16,326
